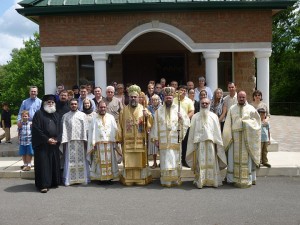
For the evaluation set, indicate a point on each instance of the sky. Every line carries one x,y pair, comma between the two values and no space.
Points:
14,29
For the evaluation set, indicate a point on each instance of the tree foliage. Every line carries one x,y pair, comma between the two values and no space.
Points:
285,63
285,59
24,70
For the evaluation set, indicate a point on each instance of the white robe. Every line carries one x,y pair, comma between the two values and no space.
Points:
205,153
76,169
101,152
165,131
241,137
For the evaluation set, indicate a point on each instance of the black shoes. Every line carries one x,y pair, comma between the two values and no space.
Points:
267,165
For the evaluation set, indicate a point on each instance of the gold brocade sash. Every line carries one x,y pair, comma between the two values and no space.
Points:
252,138
169,146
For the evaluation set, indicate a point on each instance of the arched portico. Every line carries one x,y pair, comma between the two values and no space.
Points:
211,51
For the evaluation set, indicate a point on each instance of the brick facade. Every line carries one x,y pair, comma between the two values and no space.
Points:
223,26
66,71
202,27
244,72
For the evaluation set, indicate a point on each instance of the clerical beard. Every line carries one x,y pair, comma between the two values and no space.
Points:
168,103
204,114
133,103
49,109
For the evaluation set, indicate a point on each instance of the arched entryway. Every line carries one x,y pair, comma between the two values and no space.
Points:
152,56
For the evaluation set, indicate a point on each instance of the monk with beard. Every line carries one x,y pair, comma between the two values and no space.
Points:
205,153
45,142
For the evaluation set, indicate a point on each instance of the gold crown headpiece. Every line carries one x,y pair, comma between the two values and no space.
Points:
169,91
134,90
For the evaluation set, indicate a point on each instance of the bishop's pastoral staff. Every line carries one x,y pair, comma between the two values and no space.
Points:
169,128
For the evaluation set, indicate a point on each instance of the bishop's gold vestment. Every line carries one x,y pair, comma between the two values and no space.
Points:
132,133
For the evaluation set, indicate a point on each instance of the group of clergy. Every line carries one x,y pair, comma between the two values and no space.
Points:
90,150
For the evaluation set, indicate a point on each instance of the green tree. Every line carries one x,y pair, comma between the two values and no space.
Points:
285,61
24,69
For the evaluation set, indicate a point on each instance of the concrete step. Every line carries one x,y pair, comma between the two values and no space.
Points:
16,172
283,164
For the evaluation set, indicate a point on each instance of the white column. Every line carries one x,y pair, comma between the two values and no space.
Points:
211,66
263,73
100,70
49,73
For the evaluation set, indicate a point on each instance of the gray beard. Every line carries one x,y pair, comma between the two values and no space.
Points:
50,109
133,103
204,114
168,104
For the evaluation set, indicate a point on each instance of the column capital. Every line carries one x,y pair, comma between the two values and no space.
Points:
263,53
99,56
49,58
211,54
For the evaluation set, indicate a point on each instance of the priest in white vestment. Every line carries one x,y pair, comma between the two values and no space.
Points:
74,140
169,128
101,142
205,153
241,138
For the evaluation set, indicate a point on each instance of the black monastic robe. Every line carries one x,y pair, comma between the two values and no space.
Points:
46,157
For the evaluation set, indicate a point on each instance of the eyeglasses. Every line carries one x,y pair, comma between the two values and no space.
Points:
110,92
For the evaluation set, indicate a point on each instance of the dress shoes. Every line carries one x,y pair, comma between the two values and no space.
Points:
44,190
267,165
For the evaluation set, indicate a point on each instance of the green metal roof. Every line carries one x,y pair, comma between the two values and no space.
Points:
47,7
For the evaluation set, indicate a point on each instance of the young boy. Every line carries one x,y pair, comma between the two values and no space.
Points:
265,137
26,150
5,123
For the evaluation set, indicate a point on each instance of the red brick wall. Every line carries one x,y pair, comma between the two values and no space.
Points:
202,26
114,70
66,71
244,72
196,67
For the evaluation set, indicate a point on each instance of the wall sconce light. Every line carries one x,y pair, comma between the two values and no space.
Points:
201,58
110,60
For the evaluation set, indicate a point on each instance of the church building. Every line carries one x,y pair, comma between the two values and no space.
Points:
102,41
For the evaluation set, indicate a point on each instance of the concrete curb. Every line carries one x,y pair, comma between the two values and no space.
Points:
283,164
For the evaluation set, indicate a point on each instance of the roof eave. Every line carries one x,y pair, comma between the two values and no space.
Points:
157,7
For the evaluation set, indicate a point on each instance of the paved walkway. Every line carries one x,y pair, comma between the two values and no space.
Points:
285,162
286,131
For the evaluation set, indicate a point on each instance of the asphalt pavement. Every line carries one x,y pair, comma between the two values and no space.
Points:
273,201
